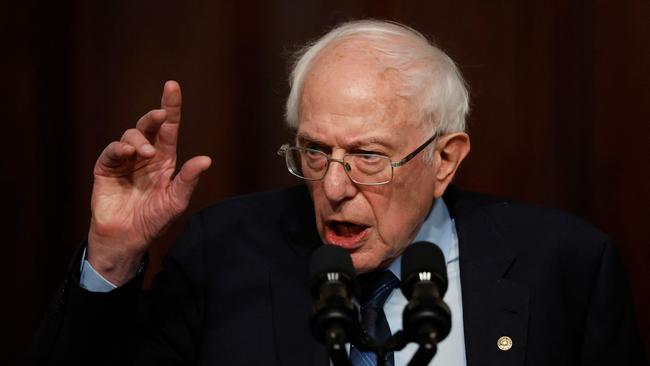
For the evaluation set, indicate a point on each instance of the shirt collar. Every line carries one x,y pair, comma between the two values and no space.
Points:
437,228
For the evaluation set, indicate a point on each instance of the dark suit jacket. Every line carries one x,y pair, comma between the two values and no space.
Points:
233,292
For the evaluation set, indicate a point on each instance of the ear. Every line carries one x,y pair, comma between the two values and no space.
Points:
451,150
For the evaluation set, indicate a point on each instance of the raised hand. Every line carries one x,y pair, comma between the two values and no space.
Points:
135,193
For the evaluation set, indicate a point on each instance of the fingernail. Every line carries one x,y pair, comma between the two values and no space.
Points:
146,148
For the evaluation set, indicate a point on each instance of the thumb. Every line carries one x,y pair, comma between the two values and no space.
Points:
187,178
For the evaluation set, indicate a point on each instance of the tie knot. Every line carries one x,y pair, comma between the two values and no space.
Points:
375,288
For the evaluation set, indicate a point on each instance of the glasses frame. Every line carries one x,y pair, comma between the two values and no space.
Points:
282,151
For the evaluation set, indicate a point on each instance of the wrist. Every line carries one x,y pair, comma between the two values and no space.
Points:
116,264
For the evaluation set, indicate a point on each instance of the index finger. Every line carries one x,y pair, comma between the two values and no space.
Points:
171,103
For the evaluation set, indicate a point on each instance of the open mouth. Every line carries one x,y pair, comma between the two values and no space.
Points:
345,234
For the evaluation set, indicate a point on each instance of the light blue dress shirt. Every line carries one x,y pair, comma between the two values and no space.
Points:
438,228
91,280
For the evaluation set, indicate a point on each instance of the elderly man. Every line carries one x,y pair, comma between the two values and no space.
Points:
379,115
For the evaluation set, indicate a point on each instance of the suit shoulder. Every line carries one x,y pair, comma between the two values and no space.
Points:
254,222
260,205
256,210
535,228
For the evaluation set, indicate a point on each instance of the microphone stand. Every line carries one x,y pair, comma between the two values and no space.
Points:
339,355
397,342
423,355
335,341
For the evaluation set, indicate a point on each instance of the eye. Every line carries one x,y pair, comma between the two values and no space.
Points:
369,154
369,163
314,153
371,158
313,159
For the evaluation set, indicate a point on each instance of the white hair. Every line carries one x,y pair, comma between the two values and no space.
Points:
429,75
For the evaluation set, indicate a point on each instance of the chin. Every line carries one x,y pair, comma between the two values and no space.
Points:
364,263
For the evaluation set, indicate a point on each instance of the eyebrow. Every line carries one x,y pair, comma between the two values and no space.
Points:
304,137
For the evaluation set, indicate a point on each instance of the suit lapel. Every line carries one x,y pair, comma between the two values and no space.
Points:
494,308
291,312
290,298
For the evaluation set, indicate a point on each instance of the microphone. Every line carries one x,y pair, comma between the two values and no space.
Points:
335,319
426,318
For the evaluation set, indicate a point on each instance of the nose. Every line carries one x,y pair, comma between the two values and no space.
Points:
336,183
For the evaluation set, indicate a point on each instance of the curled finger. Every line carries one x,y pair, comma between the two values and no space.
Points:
150,123
136,139
115,154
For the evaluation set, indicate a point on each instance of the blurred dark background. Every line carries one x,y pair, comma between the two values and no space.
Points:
560,94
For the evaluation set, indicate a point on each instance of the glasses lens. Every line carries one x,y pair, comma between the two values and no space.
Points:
306,163
369,168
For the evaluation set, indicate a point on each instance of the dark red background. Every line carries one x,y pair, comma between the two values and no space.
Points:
560,91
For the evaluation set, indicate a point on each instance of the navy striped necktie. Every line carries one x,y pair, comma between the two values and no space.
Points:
375,289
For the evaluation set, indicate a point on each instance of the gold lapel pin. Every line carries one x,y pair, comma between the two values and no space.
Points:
504,343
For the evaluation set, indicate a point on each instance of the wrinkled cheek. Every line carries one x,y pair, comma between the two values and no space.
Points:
387,235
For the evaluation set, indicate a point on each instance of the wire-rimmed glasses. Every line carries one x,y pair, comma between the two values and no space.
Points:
362,168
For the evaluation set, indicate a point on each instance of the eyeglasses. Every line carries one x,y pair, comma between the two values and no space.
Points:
366,169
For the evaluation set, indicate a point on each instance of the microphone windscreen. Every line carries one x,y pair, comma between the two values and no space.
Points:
330,258
425,257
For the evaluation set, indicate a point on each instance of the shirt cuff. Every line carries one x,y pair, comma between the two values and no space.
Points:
91,280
